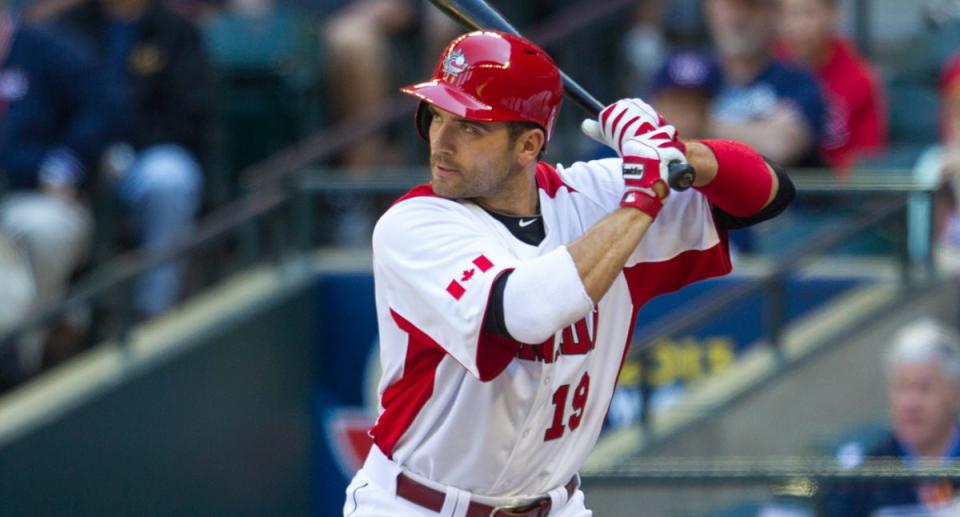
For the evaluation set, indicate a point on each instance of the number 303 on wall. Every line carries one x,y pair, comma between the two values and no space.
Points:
578,404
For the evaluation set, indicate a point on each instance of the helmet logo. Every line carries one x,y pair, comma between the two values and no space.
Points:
455,63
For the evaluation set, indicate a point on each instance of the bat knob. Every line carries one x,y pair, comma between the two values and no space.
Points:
680,175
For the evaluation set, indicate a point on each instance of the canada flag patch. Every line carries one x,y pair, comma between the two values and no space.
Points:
458,286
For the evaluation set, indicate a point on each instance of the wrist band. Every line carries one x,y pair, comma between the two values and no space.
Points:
645,203
743,181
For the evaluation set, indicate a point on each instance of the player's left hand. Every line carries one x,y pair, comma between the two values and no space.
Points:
622,120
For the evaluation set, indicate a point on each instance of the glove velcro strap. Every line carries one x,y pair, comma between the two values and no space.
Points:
635,168
644,199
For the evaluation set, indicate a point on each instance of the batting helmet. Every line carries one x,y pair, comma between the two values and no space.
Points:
491,76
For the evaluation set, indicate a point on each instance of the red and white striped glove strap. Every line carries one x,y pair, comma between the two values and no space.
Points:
644,188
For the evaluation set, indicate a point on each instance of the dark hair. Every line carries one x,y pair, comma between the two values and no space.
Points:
515,129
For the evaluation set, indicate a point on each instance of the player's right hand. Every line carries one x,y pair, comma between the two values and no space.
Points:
645,173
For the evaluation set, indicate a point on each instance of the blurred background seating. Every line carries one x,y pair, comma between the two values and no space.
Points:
258,350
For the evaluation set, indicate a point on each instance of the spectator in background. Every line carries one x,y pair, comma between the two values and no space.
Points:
940,166
658,26
158,59
775,108
57,114
856,111
683,90
923,385
358,36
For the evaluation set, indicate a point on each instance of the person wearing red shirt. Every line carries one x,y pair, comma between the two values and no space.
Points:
856,120
939,166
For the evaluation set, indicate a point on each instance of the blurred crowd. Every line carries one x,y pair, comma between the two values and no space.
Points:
123,121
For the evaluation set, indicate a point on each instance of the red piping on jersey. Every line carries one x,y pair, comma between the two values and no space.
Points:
494,352
403,400
648,279
623,358
549,181
421,190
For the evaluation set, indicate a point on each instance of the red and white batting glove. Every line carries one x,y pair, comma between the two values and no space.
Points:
621,121
645,172
646,143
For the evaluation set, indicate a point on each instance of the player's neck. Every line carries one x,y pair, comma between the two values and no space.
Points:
517,196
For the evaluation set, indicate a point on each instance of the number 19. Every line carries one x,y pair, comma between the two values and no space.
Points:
578,404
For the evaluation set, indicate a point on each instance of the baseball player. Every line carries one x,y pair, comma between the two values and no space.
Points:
507,289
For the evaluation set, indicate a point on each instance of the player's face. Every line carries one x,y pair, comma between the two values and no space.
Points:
923,402
468,159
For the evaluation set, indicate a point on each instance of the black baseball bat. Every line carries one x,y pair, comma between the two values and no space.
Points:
479,15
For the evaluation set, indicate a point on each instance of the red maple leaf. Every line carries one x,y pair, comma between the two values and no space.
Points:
467,275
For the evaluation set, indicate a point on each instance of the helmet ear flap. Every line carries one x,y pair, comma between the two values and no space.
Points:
422,120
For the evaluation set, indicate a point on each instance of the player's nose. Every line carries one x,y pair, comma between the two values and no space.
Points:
441,138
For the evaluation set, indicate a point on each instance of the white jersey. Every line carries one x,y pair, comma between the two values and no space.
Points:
456,405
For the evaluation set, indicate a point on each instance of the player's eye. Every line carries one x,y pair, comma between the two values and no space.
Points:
470,128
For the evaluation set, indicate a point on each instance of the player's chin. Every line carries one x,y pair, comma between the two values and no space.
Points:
443,187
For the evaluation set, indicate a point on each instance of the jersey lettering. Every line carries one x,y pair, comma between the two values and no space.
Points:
542,353
580,338
577,339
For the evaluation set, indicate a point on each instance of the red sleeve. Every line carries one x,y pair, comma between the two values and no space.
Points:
869,120
649,279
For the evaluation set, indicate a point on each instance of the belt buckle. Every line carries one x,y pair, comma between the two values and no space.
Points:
524,511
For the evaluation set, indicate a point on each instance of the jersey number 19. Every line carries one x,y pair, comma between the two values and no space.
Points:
578,404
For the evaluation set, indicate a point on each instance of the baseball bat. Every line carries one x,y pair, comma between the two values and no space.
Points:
479,15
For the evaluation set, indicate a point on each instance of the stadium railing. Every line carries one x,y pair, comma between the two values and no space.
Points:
281,219
762,486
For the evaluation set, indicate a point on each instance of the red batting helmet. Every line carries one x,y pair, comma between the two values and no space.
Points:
491,76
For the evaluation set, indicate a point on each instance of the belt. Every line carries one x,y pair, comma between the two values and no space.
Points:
431,499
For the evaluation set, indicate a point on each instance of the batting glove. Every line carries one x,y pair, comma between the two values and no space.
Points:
646,143
621,121
645,172
630,119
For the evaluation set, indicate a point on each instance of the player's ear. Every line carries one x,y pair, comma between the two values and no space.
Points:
529,144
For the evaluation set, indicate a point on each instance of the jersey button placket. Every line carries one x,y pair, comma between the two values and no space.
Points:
544,392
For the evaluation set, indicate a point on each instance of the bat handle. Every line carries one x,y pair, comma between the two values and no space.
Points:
680,175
